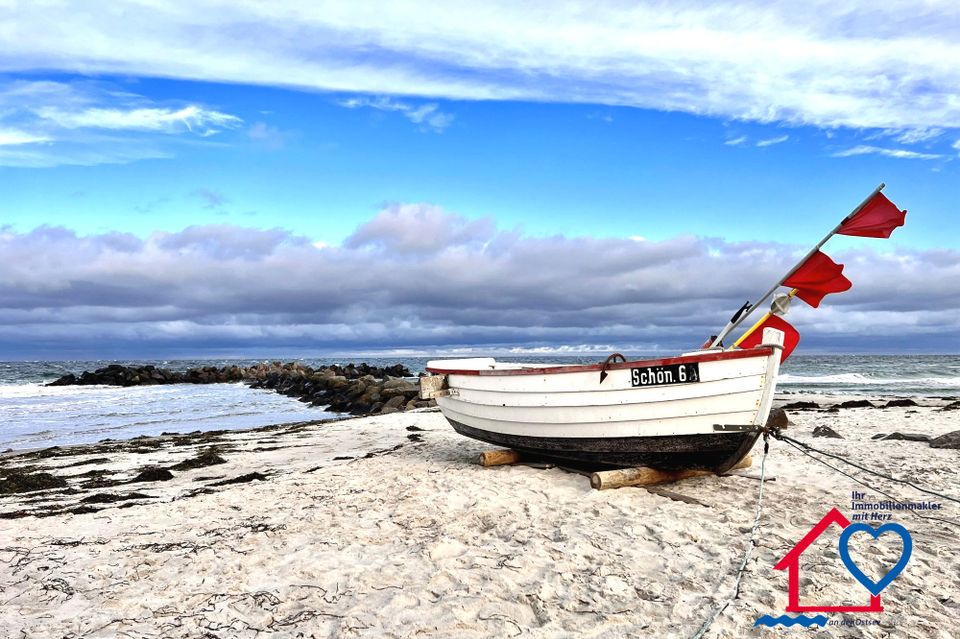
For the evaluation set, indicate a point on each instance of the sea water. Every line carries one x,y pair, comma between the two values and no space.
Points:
33,415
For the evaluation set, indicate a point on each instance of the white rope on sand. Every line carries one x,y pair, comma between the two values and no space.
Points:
746,558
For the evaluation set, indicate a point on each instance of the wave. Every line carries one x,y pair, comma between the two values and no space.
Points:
37,415
860,379
20,390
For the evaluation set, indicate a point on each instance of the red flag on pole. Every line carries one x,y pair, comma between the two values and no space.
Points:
791,337
817,277
877,218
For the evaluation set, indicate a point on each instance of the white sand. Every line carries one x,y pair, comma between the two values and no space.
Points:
419,541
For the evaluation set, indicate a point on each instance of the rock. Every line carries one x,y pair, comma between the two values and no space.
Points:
898,403
801,406
777,420
397,387
950,440
826,431
393,402
952,406
400,384
856,403
910,437
359,408
338,382
356,389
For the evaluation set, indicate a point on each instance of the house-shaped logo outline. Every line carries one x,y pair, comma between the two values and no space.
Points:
791,561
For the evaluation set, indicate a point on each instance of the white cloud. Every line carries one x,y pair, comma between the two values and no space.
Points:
603,117
212,199
191,118
428,116
864,149
12,137
44,157
771,141
922,134
48,123
851,63
417,228
736,141
268,136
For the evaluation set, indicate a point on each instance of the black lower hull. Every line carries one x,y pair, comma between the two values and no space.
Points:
717,452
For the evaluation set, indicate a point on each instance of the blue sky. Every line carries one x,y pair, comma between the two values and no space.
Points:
662,132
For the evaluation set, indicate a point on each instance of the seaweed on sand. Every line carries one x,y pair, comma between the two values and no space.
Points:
242,479
86,462
152,473
17,482
107,498
204,458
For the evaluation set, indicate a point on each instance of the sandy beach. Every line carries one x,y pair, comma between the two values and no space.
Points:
385,526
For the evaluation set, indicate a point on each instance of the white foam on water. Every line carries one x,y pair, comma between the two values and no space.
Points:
33,415
858,379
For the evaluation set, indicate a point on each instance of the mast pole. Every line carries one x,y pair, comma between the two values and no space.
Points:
732,324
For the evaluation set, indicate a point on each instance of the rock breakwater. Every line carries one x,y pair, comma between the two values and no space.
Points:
357,389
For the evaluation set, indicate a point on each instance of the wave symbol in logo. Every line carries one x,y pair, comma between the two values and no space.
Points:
788,621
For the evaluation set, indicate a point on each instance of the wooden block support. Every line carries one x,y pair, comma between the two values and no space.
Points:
499,457
643,476
433,386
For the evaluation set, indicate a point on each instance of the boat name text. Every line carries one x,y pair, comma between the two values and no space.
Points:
662,375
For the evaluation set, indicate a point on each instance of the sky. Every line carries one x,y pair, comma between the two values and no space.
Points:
285,179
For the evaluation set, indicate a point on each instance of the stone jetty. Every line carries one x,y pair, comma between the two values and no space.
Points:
356,389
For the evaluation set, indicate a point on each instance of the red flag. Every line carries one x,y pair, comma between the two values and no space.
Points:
877,218
817,277
790,336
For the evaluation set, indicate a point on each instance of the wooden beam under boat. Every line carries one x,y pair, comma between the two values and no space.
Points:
643,476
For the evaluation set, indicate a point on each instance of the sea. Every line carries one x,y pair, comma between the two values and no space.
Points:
34,416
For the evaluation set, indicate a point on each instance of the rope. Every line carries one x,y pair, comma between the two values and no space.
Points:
746,558
869,487
790,440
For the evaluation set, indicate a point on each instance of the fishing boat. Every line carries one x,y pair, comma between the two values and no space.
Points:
703,409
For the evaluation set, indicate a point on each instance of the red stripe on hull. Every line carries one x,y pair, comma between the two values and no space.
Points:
586,368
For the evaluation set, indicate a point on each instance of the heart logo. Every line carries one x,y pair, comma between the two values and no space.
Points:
875,587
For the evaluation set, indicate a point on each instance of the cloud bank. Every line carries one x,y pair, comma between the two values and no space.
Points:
415,276
827,63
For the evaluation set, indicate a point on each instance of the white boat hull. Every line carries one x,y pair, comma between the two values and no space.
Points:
567,412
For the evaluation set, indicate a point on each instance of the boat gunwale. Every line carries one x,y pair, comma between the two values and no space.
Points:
760,351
